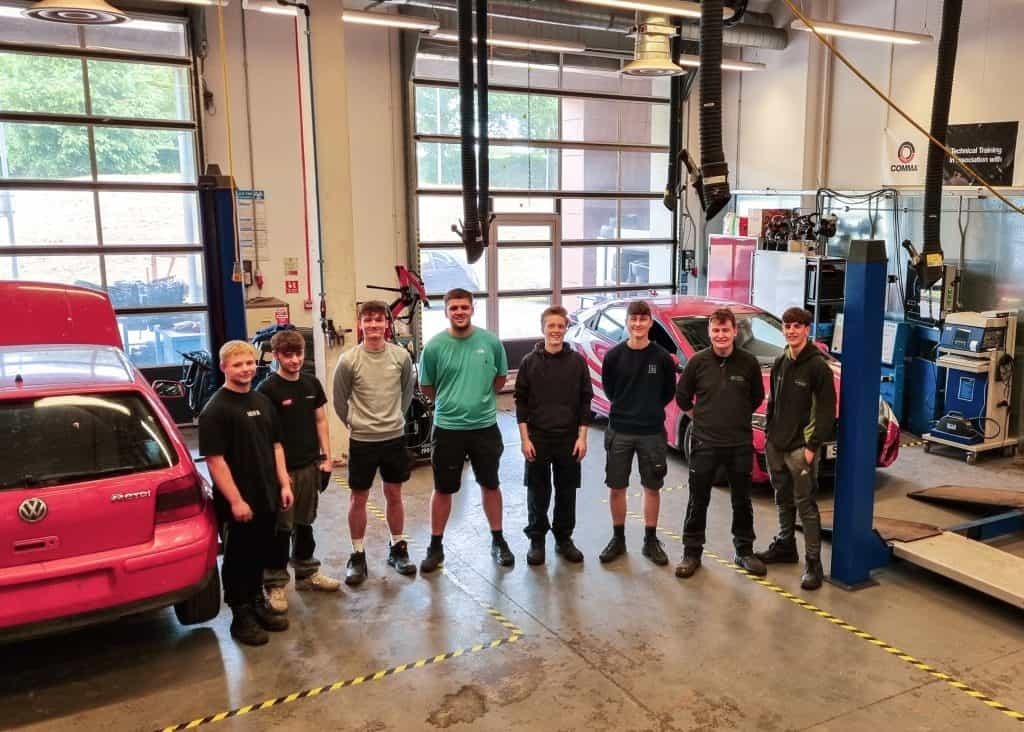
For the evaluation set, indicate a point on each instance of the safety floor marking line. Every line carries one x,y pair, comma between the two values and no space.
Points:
912,443
336,686
854,630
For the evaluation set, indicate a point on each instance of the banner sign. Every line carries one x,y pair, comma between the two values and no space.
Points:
988,147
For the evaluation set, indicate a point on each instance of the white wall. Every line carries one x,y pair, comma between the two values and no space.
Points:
375,133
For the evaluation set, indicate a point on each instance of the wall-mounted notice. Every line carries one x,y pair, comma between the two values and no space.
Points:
252,223
988,147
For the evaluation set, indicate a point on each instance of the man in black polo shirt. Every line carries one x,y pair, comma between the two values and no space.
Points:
723,386
638,377
240,435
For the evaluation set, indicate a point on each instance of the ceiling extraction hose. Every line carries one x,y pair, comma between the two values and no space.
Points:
714,170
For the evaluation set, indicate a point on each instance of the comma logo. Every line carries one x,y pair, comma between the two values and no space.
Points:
905,154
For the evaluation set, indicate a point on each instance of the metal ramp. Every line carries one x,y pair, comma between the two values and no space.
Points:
971,563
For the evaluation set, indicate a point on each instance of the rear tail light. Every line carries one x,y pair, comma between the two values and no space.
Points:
179,499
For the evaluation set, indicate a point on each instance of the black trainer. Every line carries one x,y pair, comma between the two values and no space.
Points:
244,627
355,570
614,549
503,556
654,551
751,563
398,557
267,618
434,560
779,551
567,549
535,555
814,575
688,567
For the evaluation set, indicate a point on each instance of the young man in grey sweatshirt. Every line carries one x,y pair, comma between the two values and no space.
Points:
373,387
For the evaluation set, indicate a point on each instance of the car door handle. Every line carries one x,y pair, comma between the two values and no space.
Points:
30,545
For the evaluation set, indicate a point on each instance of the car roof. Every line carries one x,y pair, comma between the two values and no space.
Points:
44,369
672,306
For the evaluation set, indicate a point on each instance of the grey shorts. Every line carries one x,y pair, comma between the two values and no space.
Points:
306,489
651,453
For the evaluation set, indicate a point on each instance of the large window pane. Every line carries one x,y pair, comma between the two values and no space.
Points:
641,172
509,204
27,218
589,218
519,317
146,91
437,111
434,320
83,270
513,72
160,339
590,120
149,218
437,215
593,266
591,73
590,170
44,151
644,124
16,28
446,269
523,232
150,156
145,36
527,268
639,86
523,168
44,84
522,115
646,220
155,280
644,265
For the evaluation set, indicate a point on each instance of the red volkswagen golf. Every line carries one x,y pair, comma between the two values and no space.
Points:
102,511
681,327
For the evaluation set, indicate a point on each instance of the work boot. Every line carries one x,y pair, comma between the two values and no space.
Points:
615,549
751,563
318,581
433,560
536,554
814,575
244,627
355,570
568,550
398,557
267,618
277,599
654,551
688,566
503,556
780,551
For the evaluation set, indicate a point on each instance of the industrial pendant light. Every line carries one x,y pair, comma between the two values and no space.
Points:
652,55
77,12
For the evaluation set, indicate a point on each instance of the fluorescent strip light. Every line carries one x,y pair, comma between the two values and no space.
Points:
270,7
863,32
407,22
728,64
530,44
678,8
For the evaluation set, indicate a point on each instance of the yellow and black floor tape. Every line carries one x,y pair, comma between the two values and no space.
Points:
911,443
854,630
338,685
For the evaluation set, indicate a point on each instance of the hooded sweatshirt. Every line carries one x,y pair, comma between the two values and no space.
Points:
802,402
553,393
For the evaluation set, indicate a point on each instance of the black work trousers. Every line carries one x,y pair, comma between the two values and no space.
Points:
247,550
705,461
554,458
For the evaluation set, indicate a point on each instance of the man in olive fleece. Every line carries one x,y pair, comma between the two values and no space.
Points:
800,420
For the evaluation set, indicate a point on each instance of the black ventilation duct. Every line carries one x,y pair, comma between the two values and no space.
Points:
713,184
930,266
484,203
470,223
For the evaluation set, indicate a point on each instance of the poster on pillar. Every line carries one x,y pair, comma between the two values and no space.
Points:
988,147
904,156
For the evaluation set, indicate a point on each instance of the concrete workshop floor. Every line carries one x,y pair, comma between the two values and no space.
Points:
623,647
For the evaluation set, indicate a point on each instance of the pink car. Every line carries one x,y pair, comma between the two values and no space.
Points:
102,511
681,327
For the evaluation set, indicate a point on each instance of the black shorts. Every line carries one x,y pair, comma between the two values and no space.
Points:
366,458
483,447
651,453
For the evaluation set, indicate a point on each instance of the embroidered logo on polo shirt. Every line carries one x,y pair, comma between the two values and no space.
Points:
254,413
652,368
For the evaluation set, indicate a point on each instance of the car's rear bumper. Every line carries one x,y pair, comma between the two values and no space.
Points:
49,597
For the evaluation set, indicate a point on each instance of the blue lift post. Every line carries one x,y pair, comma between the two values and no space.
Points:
225,296
856,548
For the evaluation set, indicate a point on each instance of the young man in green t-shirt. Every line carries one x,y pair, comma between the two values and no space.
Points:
462,369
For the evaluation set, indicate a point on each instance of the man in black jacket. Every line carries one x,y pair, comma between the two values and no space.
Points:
638,377
553,394
722,385
800,420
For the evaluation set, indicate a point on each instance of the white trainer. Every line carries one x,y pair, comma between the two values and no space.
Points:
277,600
319,582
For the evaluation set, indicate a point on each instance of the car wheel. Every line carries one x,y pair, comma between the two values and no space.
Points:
202,606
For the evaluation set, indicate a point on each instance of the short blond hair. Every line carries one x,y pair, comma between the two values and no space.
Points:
232,348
